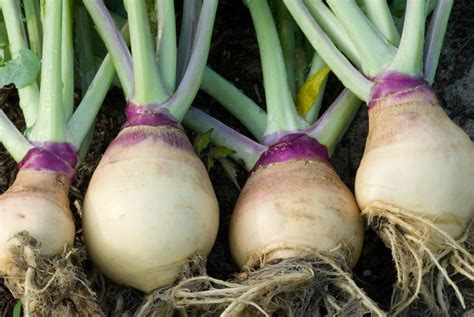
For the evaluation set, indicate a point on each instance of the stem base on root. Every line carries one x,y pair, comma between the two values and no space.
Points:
289,287
49,286
421,252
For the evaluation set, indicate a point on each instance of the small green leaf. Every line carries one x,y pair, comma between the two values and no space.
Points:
220,152
21,71
231,171
202,141
17,309
210,163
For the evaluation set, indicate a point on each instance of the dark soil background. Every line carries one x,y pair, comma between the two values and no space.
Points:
234,54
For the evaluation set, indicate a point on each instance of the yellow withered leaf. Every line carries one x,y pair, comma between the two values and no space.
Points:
308,93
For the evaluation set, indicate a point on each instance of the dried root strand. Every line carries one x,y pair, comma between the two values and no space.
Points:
422,260
291,287
49,286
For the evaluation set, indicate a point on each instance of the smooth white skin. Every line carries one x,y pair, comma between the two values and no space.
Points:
37,203
294,203
418,160
148,209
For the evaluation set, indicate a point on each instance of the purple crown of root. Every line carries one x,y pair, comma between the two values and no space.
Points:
51,156
150,115
398,86
297,146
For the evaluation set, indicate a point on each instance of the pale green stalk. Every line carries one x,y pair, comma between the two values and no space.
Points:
379,14
13,141
84,47
166,43
29,95
33,24
435,36
115,44
180,102
410,51
375,54
329,23
281,111
83,118
332,125
286,32
148,88
343,69
50,125
246,150
242,107
191,11
67,59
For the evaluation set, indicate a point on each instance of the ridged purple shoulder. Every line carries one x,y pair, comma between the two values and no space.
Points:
296,146
51,156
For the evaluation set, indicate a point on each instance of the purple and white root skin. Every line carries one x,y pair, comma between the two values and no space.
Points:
150,205
294,198
38,202
416,159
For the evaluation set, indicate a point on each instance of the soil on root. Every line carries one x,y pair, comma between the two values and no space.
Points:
234,54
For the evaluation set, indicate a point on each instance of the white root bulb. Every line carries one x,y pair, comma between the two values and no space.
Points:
296,202
37,203
149,208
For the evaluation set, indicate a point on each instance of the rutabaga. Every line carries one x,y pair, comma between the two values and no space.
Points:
150,206
37,230
415,184
296,230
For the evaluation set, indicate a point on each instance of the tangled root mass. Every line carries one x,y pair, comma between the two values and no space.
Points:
424,264
49,286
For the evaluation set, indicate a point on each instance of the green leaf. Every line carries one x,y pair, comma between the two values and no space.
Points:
17,309
210,163
21,71
231,171
202,141
220,152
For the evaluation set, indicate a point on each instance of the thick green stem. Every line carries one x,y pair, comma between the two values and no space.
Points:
115,44
83,118
375,54
281,110
29,95
435,37
246,150
343,69
180,102
33,24
148,88
189,22
286,32
328,22
67,59
242,107
379,14
332,125
410,51
84,47
15,143
50,125
166,43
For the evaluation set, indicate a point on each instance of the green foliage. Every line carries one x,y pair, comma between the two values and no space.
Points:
21,71
211,153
